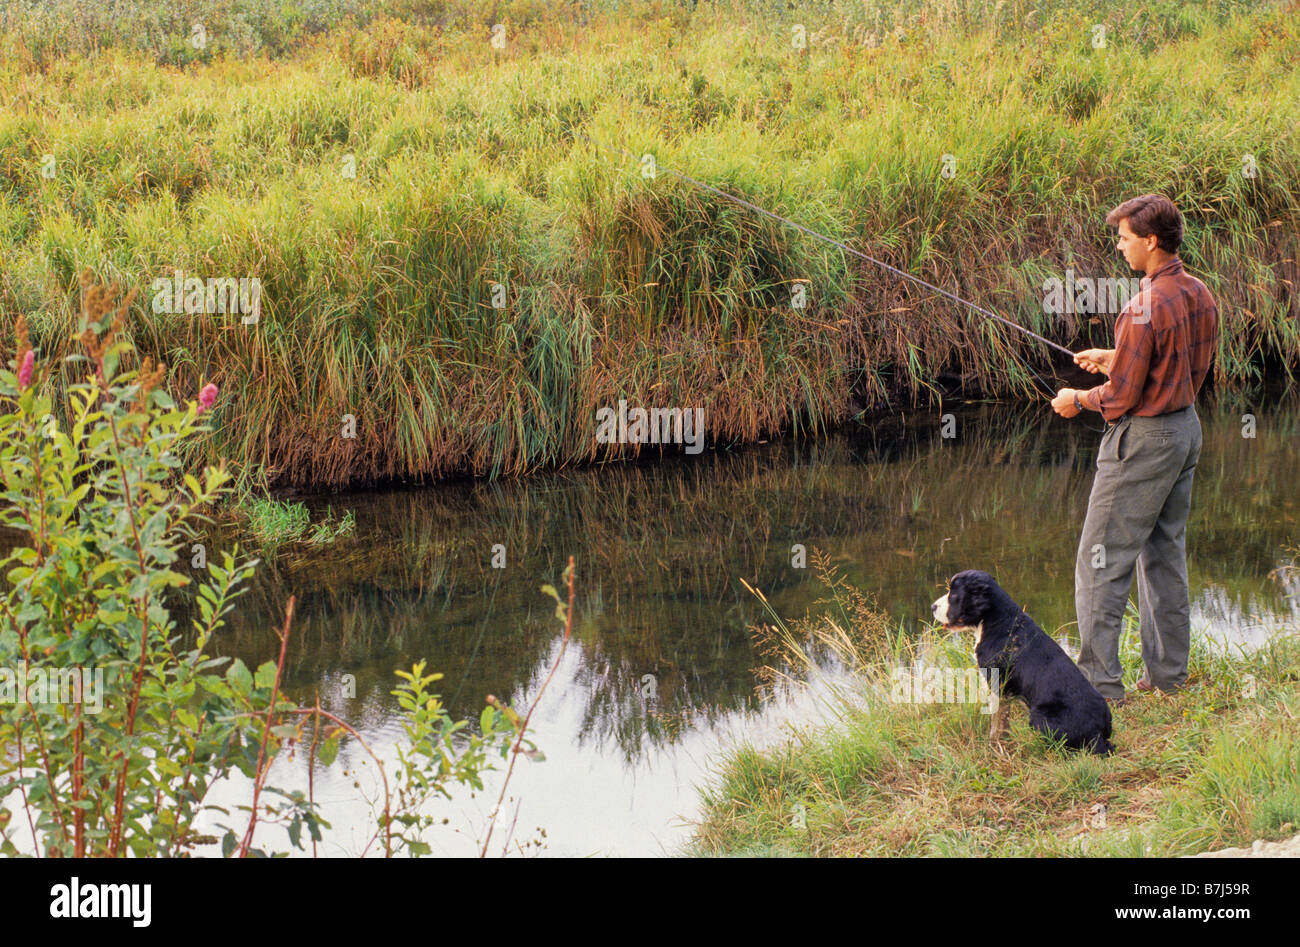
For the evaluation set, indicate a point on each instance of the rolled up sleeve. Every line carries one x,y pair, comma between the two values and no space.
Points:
1128,371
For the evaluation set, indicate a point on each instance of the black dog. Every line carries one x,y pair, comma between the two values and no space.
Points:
1062,703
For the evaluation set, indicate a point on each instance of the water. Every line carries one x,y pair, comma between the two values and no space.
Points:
658,680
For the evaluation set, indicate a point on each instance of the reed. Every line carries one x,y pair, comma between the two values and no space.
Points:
377,288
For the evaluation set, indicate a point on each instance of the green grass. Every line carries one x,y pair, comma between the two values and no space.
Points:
272,522
377,289
1216,765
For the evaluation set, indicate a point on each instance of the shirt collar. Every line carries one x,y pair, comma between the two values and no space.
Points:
1168,268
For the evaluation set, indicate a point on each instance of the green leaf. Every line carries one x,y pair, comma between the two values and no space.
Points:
266,674
328,751
238,677
510,715
314,823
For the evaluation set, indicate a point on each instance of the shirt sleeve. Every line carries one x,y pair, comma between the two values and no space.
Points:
1205,339
1128,370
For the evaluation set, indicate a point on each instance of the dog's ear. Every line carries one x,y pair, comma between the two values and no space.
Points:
979,596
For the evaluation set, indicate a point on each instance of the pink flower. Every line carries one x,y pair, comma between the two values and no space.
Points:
207,397
25,371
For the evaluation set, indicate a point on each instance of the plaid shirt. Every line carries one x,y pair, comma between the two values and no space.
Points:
1165,340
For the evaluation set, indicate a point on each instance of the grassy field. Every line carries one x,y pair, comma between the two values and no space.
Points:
384,170
1215,765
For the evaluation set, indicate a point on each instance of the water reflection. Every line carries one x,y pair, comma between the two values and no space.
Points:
660,671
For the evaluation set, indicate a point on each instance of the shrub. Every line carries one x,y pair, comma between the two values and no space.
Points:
114,723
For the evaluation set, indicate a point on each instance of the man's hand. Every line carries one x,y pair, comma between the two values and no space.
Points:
1095,360
1063,403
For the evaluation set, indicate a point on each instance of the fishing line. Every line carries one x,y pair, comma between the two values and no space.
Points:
847,249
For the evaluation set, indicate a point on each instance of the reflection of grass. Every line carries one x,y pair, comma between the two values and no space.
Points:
666,545
328,530
737,514
1215,765
274,522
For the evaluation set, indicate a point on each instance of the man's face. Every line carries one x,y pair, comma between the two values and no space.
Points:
1136,249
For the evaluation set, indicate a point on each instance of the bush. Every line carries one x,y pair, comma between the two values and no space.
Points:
113,723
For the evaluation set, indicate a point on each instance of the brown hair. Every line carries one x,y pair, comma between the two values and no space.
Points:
1151,214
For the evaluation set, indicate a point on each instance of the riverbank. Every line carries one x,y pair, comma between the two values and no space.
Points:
1215,765
451,283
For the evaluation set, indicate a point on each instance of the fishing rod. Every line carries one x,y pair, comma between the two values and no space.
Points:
847,249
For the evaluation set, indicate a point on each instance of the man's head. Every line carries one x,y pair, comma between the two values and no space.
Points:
1150,230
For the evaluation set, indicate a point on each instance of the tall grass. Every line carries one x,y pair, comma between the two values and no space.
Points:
378,288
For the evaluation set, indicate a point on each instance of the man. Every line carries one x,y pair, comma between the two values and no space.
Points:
1165,340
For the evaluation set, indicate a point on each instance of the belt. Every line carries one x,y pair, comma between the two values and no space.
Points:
1127,415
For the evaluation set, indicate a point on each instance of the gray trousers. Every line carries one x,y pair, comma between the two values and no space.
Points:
1137,517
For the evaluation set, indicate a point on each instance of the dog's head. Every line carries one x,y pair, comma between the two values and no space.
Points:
970,599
